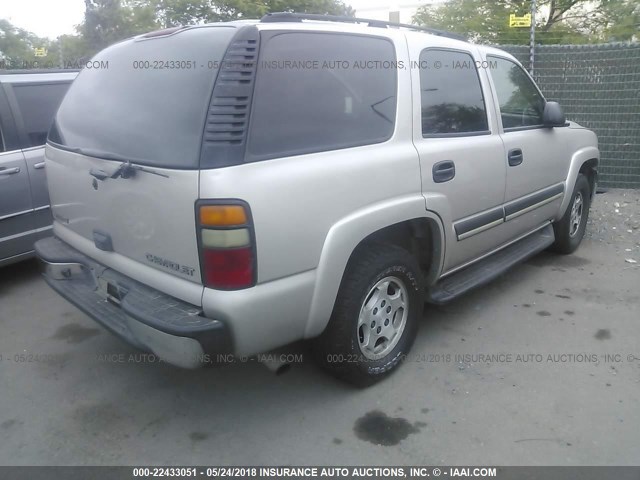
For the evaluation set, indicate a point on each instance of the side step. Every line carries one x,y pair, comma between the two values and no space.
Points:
490,267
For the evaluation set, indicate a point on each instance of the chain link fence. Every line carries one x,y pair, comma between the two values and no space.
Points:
598,86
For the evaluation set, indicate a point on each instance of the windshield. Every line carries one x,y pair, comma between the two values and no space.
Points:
146,101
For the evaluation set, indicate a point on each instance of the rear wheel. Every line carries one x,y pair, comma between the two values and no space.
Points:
375,318
570,229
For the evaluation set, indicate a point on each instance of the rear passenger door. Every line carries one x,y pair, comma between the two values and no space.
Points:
35,105
461,153
15,198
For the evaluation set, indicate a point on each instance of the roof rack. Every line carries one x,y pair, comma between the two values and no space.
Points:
298,17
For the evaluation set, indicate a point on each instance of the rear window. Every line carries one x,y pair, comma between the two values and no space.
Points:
38,104
451,94
146,100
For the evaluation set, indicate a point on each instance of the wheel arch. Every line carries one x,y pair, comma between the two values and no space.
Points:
590,170
404,222
585,161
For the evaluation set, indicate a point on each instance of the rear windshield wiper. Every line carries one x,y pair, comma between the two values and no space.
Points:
128,170
125,170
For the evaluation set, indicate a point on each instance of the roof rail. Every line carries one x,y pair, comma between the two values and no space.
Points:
298,17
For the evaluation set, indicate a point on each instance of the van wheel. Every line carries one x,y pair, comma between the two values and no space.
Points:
570,229
375,317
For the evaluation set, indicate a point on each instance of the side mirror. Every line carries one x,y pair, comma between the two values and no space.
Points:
553,115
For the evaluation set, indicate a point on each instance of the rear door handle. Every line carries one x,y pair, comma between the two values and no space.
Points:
9,171
515,157
444,171
38,165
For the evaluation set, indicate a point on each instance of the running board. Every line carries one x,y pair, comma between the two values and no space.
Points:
490,267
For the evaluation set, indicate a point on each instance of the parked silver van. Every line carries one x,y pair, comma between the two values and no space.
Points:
28,102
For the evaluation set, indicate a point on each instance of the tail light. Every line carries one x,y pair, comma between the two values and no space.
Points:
227,246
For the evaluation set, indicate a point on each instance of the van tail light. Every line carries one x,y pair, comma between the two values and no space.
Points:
226,243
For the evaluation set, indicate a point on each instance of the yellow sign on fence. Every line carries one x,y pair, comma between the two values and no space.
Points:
524,21
40,52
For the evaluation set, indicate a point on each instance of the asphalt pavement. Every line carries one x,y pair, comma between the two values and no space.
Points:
541,367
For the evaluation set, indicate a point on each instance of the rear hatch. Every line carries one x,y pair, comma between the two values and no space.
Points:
123,153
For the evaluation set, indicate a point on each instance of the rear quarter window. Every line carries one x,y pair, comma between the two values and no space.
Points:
322,91
451,94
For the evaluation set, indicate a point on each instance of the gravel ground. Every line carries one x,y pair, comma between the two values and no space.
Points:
615,221
540,367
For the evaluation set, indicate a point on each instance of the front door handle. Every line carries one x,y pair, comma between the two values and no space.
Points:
515,157
444,171
9,171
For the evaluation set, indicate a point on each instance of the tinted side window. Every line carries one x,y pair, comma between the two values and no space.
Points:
38,105
521,105
452,99
7,131
316,92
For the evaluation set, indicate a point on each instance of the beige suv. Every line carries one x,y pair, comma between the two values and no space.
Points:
233,188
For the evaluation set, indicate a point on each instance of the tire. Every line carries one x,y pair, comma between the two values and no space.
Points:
568,233
342,349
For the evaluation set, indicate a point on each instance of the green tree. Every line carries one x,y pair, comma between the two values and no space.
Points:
557,21
73,50
22,49
16,44
185,12
617,20
109,21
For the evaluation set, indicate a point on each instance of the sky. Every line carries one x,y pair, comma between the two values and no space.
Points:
51,18
45,18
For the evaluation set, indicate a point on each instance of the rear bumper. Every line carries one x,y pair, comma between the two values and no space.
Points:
146,318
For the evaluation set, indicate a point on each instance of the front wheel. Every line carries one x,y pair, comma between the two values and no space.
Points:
570,229
375,318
